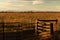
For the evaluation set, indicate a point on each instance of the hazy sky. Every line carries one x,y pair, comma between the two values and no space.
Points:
29,5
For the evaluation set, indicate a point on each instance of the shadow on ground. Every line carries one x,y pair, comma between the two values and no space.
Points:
25,35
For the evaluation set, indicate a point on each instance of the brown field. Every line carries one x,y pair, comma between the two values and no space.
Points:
29,17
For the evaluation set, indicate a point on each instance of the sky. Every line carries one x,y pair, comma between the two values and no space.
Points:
30,5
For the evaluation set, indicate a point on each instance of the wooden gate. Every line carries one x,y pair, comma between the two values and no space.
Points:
46,28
